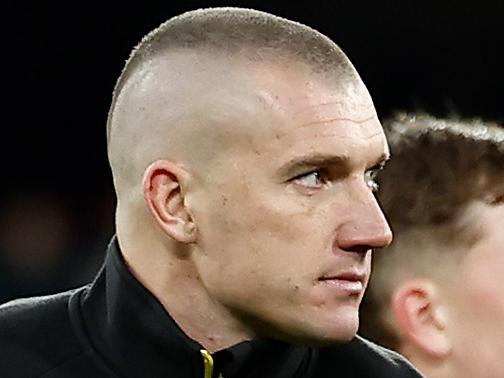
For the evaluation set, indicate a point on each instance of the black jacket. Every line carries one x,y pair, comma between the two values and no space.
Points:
114,327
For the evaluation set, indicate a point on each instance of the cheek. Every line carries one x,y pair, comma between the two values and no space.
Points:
265,216
484,291
248,229
483,270
477,319
479,301
256,241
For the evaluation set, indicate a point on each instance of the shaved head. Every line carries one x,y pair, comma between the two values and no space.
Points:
238,141
171,100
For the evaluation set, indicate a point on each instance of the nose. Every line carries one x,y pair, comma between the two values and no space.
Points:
365,227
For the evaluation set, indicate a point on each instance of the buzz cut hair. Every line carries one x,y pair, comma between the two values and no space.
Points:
230,30
438,167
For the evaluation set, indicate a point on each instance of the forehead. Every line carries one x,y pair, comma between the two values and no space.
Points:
276,110
299,112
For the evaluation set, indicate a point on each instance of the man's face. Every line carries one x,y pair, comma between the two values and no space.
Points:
285,213
475,318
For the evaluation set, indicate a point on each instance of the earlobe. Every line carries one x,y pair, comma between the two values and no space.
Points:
163,190
420,317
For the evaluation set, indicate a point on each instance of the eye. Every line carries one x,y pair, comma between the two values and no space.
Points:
312,180
370,179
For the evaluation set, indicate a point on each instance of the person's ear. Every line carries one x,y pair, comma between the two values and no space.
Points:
164,191
420,317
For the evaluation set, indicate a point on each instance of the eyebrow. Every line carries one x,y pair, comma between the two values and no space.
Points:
300,164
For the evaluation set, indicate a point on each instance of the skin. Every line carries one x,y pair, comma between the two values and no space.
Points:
454,328
475,304
270,193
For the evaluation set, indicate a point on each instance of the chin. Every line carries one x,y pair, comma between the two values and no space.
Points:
338,327
324,340
326,331
341,334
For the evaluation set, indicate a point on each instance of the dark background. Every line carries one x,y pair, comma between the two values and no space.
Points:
60,63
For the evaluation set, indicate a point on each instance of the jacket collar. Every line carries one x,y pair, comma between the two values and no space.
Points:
136,336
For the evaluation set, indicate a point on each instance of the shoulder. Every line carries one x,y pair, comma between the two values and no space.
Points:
33,309
363,358
36,334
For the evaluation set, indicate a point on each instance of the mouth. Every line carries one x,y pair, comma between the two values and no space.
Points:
348,282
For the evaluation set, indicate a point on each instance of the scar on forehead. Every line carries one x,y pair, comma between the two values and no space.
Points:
321,105
336,134
378,133
351,120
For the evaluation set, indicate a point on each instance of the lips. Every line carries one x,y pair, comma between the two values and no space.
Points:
345,276
348,282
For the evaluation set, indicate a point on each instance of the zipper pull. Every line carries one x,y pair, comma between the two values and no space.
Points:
208,363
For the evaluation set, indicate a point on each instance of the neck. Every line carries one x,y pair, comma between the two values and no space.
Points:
168,272
429,366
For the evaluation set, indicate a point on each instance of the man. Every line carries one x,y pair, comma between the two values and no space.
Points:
243,148
435,294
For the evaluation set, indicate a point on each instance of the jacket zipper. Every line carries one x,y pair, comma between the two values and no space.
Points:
208,363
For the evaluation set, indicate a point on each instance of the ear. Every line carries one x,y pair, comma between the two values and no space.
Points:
164,192
420,317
